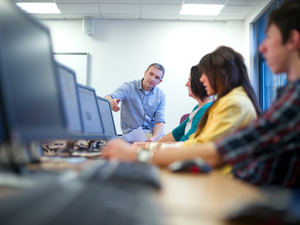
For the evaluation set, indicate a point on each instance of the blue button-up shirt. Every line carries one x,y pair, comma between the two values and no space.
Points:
140,108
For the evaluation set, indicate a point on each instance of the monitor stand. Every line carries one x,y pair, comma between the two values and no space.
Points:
15,156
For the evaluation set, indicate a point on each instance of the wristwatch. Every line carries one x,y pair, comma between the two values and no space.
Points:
144,155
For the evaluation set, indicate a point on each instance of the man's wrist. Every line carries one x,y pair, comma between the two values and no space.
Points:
108,97
153,138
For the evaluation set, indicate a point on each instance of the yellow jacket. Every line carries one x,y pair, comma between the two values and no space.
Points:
231,112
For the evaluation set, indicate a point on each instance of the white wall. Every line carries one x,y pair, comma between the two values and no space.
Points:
121,50
235,35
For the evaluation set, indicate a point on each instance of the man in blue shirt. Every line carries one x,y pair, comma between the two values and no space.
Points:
143,104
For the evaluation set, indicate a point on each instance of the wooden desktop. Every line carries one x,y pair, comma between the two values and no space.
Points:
202,198
186,199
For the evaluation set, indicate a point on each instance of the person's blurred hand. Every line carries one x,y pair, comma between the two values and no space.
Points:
114,104
119,149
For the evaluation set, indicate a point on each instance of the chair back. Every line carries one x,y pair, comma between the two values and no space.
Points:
183,118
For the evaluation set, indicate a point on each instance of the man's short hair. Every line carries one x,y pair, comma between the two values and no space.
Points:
158,66
286,18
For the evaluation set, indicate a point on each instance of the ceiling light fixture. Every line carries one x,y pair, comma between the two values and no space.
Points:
39,7
198,9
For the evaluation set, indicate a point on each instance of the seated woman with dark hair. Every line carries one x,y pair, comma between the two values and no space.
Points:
189,125
225,76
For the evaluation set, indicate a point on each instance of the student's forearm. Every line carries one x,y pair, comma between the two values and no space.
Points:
207,152
157,131
167,138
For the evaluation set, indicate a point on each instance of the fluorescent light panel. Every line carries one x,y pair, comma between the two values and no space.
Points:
39,7
201,9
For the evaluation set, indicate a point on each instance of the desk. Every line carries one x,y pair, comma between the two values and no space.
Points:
206,198
188,199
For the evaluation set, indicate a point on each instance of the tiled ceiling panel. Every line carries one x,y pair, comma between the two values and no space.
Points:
120,8
235,10
163,1
49,16
120,1
144,9
159,17
82,15
242,2
121,16
76,1
78,8
41,1
191,17
161,9
215,2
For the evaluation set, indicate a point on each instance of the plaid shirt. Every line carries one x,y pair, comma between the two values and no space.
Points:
267,152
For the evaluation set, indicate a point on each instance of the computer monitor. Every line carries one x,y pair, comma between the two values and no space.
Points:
92,123
70,99
32,105
3,132
107,118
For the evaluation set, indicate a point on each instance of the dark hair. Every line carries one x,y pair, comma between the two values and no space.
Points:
158,66
226,66
196,85
286,18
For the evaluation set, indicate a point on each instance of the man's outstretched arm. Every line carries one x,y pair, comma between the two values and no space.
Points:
113,103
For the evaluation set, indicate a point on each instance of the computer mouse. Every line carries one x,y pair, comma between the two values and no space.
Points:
257,213
195,165
262,214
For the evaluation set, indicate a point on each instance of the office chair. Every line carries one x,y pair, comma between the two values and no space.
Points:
183,118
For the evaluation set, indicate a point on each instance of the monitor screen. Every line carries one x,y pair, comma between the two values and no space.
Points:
70,98
89,110
28,78
107,118
3,133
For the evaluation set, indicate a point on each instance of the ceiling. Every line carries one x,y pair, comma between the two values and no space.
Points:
143,9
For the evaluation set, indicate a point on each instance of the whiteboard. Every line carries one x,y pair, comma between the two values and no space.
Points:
79,62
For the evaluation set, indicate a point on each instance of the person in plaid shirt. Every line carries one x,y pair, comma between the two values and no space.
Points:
266,152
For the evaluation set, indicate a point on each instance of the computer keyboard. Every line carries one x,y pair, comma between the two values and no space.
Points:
77,203
93,198
141,173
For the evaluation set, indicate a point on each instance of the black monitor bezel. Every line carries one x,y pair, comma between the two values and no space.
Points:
116,135
93,136
15,133
73,134
3,127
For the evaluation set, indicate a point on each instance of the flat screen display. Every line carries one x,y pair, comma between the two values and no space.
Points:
107,117
70,98
29,86
3,134
89,110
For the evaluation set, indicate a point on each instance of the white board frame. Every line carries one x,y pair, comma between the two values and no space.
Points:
77,61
